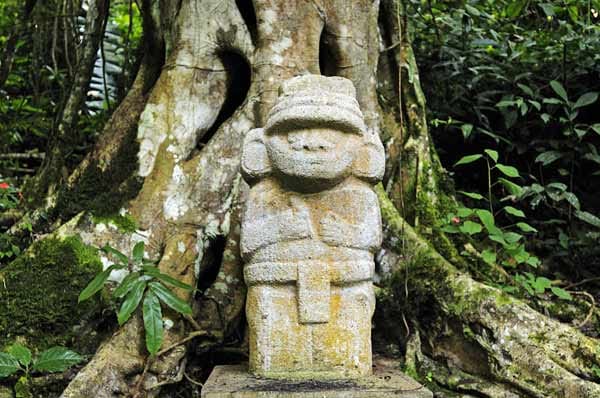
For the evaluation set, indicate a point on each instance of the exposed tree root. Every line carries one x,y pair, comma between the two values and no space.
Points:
483,331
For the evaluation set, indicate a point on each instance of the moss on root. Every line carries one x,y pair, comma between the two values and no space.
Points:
103,189
39,291
125,224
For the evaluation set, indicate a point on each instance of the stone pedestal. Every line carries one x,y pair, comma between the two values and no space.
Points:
234,381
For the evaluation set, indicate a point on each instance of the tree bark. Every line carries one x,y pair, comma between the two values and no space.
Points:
183,131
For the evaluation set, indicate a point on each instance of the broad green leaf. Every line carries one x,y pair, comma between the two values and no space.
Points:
131,302
169,298
541,284
572,199
580,132
558,186
492,154
155,273
573,12
464,212
515,7
526,227
511,187
537,188
488,256
588,218
468,159
148,262
596,128
150,269
515,212
56,359
548,157
548,9
518,252
533,261
508,171
512,237
470,227
526,89
563,240
508,289
450,229
586,99
559,90
126,285
487,219
561,293
173,281
545,117
96,284
20,352
552,101
524,283
153,323
117,254
535,104
466,129
505,103
472,195
8,364
524,108
137,253
472,10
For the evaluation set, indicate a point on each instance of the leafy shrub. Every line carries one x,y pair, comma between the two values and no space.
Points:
521,77
146,282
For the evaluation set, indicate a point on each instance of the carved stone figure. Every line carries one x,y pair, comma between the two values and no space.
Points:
309,232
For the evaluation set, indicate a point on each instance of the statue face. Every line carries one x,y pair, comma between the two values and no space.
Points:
312,158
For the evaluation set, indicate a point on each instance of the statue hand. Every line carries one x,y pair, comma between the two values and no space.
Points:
332,228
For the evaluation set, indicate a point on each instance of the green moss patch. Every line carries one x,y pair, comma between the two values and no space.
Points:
125,224
103,190
39,290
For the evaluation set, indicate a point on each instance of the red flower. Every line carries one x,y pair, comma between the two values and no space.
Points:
4,185
455,220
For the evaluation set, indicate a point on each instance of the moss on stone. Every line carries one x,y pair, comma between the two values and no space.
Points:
39,291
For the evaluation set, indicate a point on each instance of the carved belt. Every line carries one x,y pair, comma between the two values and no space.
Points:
313,280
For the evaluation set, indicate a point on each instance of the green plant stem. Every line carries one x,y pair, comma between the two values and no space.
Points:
571,183
489,172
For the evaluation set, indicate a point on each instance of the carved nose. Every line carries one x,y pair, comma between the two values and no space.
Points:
308,142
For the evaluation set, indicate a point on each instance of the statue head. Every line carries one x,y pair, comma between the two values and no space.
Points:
314,138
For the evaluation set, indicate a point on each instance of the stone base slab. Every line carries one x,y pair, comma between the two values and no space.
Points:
234,381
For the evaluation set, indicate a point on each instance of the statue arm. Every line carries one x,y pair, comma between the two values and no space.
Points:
357,226
264,225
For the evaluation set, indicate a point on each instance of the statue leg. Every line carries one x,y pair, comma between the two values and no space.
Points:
343,345
279,344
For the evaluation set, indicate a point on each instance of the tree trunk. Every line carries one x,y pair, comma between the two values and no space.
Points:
169,159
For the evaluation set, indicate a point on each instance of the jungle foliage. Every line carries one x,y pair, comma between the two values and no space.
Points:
519,78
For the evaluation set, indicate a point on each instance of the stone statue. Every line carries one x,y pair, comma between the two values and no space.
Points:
309,233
